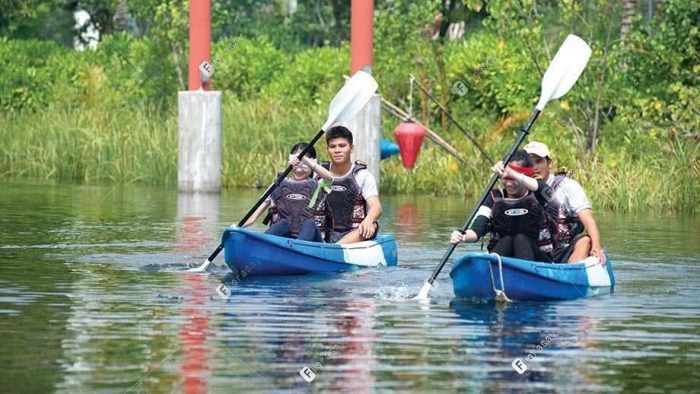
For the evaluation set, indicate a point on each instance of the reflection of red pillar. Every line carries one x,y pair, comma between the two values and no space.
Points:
191,235
200,41
408,220
361,21
357,326
193,341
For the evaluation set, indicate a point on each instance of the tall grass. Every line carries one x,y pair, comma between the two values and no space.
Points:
90,145
94,144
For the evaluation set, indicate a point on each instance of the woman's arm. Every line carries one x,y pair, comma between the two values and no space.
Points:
477,229
320,170
325,174
529,182
262,208
469,236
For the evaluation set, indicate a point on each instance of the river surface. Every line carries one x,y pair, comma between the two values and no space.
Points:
93,298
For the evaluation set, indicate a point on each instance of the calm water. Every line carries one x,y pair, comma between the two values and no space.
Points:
93,299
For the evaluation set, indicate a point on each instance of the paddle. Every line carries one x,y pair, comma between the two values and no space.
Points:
344,106
562,73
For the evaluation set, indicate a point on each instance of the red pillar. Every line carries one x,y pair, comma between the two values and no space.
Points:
361,25
200,41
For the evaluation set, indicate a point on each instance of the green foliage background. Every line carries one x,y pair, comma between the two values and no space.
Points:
629,129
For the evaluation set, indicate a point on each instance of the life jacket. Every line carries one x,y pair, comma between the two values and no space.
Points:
345,200
567,227
524,216
291,199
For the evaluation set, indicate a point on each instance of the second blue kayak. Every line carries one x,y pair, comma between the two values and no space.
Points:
525,280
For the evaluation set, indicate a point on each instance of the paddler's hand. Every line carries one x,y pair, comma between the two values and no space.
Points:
456,237
499,169
504,171
293,160
597,252
366,229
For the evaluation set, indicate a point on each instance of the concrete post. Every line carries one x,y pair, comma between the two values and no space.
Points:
199,141
366,131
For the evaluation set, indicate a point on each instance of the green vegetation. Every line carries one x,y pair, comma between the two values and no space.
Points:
629,129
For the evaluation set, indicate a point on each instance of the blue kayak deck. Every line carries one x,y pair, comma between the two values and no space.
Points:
262,254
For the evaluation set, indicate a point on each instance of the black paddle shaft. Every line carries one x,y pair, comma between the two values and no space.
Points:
269,191
521,136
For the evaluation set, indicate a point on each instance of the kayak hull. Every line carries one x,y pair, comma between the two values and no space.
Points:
529,280
259,254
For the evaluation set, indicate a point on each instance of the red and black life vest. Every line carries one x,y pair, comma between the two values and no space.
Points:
345,200
291,199
524,216
567,227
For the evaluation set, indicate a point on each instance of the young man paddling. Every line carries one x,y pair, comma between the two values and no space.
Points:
577,227
354,199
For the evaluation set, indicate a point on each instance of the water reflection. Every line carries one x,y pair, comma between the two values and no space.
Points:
197,220
80,313
409,222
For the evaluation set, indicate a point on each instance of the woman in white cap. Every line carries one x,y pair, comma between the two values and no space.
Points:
577,227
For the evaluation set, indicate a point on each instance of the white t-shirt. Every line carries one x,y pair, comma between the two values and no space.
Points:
571,196
365,179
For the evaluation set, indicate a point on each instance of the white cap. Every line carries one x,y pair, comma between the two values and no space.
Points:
537,148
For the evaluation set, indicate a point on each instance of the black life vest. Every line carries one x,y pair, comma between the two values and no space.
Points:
525,216
291,199
345,200
567,227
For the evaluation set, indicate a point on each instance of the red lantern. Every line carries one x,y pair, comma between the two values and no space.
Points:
409,136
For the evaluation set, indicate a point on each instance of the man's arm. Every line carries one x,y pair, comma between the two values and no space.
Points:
374,210
589,224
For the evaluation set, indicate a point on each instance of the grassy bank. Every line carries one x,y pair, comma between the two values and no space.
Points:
132,144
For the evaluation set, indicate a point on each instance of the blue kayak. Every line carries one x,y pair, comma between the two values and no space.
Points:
262,254
529,280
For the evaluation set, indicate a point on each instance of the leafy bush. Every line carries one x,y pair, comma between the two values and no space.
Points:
245,66
312,75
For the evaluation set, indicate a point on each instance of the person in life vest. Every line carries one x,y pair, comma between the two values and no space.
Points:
521,215
354,199
298,207
577,227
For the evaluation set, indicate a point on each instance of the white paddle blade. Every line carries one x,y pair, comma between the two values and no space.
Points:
424,291
564,70
201,268
350,99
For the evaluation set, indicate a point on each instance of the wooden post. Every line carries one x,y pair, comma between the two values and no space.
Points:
200,41
361,25
366,125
